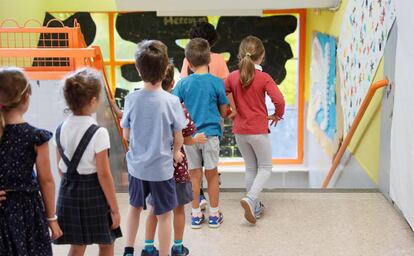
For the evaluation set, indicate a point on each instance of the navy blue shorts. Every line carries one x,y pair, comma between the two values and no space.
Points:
163,194
184,194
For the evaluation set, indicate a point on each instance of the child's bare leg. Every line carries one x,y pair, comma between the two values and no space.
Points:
77,250
213,187
196,177
132,227
164,232
179,222
106,249
150,229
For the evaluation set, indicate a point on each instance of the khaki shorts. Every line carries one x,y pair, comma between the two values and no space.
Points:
203,155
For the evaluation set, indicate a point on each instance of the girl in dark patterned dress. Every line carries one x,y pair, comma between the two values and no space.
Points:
27,207
87,208
183,184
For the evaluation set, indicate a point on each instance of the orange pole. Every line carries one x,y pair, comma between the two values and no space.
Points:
99,64
301,84
371,92
111,21
47,52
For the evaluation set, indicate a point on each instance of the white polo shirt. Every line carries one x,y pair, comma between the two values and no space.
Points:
72,132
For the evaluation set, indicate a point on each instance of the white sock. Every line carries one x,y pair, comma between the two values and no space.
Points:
196,211
214,211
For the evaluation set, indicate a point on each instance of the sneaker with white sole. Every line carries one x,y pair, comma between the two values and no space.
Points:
215,221
248,207
197,222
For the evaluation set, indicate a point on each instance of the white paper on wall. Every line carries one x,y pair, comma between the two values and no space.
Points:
364,33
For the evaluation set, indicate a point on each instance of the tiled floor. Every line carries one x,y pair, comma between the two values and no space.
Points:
332,224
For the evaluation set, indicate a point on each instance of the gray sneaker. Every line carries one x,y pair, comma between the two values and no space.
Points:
249,214
259,210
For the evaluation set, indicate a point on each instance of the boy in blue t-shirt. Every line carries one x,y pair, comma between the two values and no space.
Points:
152,120
205,99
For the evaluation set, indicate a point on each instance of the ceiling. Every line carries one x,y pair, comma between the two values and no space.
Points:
220,7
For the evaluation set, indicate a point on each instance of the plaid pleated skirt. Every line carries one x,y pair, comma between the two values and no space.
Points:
83,212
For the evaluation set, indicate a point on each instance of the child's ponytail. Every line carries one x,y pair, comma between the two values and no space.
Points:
14,90
251,49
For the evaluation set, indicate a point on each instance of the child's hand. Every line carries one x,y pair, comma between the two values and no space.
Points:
200,138
56,231
2,196
275,119
178,156
232,115
116,219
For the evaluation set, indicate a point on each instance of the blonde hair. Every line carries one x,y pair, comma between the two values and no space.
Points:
14,90
251,49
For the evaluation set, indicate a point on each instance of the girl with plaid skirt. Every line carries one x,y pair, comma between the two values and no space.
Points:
27,198
87,208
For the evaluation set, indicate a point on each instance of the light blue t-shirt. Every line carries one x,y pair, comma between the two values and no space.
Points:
152,117
202,95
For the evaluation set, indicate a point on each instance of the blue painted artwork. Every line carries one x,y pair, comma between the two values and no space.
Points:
322,105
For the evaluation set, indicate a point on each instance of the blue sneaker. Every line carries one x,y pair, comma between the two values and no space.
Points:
155,252
184,251
197,222
259,210
215,221
203,202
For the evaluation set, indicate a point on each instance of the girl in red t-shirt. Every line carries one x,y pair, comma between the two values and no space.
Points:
249,86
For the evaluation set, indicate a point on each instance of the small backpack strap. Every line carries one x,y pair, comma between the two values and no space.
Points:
83,144
59,146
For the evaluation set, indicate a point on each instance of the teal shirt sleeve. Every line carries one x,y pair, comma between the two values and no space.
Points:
177,91
221,94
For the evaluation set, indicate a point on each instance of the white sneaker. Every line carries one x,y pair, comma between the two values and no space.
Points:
247,205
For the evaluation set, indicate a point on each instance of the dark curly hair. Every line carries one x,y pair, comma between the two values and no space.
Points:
169,77
204,30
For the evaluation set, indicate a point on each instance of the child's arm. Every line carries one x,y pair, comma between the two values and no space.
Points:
47,187
277,99
233,107
107,185
222,100
178,143
184,69
117,110
126,132
58,157
224,109
199,138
